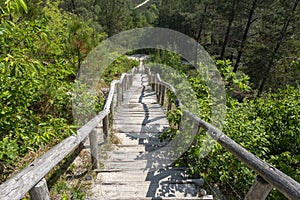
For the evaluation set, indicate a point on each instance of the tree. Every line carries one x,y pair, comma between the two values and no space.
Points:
113,15
287,18
245,35
35,104
231,17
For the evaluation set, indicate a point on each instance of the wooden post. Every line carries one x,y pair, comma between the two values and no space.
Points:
155,82
123,90
94,148
158,93
165,94
127,82
112,110
124,84
259,190
162,95
157,90
119,94
169,103
105,124
196,129
156,86
40,191
152,82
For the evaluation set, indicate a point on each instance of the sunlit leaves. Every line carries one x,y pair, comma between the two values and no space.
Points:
13,8
35,89
269,127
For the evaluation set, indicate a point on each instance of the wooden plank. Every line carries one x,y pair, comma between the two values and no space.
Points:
94,148
149,128
40,191
259,190
110,96
143,189
105,123
124,197
119,94
163,96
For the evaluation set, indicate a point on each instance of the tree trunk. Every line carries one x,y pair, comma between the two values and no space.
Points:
199,35
230,20
244,39
280,41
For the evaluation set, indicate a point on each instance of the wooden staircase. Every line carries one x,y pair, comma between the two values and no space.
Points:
128,172
138,167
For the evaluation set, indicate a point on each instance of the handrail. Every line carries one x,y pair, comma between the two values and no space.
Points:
268,176
31,178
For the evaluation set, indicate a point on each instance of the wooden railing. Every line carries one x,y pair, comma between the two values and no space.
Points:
268,176
31,178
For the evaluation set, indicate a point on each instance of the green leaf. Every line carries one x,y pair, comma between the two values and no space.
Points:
22,4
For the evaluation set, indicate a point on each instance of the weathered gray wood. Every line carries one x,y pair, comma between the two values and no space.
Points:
18,185
160,94
119,94
285,184
109,99
163,95
131,79
196,129
152,81
156,86
105,124
259,190
40,191
94,148
122,89
111,111
169,104
128,166
126,82
125,197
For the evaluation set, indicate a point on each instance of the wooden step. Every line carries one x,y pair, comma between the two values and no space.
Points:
133,170
206,197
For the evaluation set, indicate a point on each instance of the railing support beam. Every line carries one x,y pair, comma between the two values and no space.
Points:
105,124
40,191
259,190
94,149
163,95
119,94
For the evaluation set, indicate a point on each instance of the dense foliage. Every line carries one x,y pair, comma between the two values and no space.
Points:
37,72
255,44
269,127
260,37
34,83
